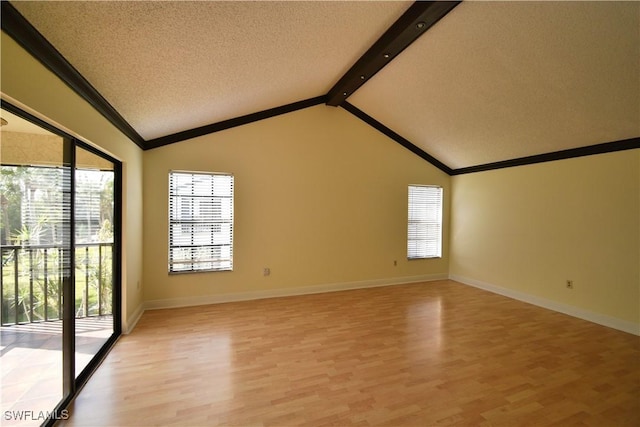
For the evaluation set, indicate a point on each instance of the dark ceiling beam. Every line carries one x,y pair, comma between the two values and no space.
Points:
396,39
590,150
397,138
421,16
19,29
231,123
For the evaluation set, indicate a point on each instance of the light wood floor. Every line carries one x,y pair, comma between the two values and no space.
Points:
438,353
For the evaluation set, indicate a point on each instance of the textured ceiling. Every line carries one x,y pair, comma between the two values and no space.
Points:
498,81
171,66
491,81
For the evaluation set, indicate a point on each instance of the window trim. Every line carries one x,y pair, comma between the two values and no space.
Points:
410,238
174,221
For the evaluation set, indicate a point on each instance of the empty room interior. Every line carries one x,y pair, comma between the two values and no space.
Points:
283,213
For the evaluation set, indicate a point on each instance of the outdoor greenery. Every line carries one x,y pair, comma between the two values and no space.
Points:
35,243
39,287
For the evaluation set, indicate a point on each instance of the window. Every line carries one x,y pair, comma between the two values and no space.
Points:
424,236
200,222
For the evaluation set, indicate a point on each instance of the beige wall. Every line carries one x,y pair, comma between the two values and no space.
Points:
320,199
27,84
530,228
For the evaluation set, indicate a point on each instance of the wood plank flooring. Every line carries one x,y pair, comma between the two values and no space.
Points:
437,353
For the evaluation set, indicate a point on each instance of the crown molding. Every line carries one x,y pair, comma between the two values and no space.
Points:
607,147
397,138
19,29
394,40
231,123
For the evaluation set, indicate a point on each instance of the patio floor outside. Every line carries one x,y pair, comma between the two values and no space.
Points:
31,364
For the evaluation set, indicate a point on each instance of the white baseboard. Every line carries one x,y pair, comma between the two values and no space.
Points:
285,292
133,321
601,319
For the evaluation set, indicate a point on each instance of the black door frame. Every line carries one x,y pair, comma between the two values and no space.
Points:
71,383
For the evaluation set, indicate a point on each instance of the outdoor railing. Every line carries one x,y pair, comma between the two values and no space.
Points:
31,282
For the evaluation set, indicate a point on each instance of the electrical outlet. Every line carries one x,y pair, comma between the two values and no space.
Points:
266,271
569,284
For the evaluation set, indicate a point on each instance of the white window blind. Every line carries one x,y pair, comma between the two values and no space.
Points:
424,236
200,221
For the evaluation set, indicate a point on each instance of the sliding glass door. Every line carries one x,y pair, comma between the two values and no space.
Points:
35,185
59,286
94,254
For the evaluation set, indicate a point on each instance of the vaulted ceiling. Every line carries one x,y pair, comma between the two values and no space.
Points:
487,83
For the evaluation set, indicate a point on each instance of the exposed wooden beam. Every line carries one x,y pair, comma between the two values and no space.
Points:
230,123
590,150
394,136
421,16
19,29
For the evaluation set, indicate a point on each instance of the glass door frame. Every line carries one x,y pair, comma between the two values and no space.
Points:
70,383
